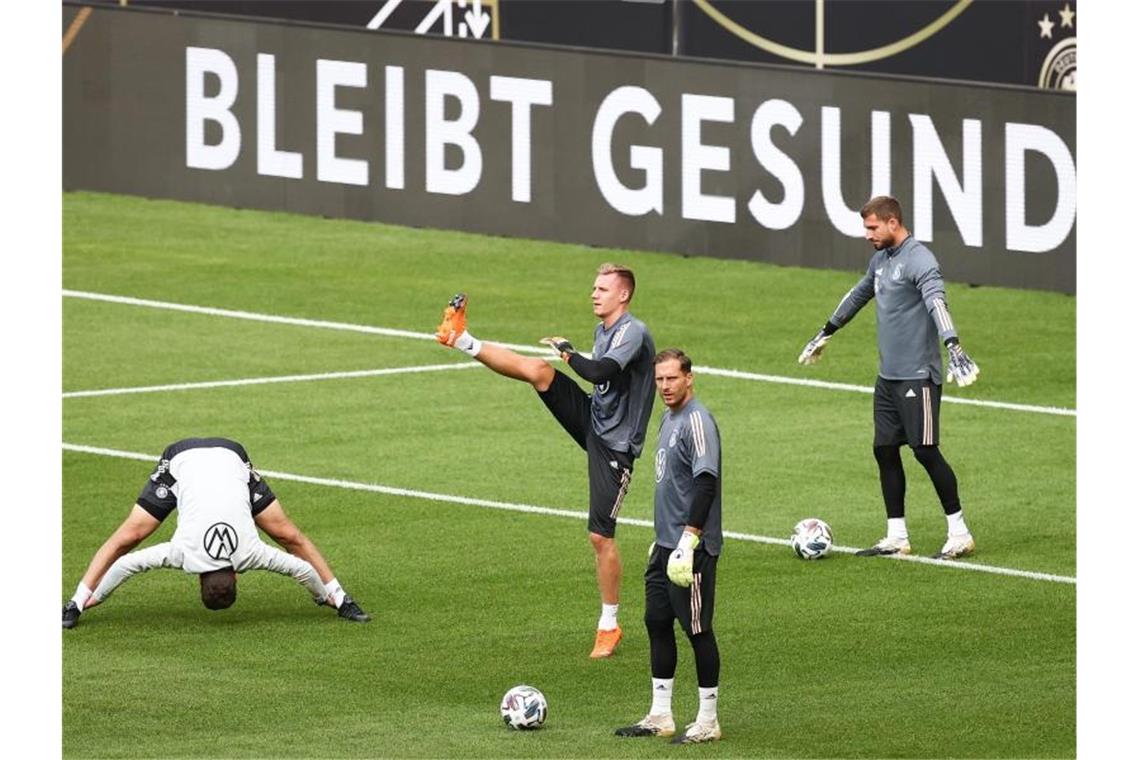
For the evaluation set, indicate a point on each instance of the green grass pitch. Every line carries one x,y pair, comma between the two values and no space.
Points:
846,657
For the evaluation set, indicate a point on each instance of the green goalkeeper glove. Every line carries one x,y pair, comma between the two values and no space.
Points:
960,367
680,568
814,347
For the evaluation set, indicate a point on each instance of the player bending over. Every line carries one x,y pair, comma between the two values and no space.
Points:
221,502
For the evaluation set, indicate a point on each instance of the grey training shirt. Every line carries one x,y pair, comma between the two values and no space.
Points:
910,304
687,445
620,409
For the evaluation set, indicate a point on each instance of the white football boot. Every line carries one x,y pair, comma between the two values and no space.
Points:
956,546
699,731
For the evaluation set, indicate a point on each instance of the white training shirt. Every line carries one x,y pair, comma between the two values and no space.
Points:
215,526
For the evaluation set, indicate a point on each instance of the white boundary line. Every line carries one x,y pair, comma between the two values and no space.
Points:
276,379
394,333
554,512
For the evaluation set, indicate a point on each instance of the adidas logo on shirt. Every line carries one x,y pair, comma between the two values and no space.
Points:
910,393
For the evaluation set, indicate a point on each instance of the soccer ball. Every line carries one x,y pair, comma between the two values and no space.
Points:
811,538
523,708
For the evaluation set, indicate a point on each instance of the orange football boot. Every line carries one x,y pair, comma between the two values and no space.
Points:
454,320
605,643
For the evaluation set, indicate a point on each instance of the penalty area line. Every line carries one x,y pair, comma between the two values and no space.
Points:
569,513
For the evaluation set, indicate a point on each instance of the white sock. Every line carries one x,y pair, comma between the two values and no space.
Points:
335,592
608,620
956,524
82,594
469,344
708,698
896,527
662,697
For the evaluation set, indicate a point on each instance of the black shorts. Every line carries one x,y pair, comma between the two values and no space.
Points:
906,411
610,471
692,607
157,495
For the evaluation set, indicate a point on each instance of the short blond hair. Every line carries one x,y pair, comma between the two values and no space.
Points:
624,273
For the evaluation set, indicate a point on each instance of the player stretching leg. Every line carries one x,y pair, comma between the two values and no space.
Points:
609,424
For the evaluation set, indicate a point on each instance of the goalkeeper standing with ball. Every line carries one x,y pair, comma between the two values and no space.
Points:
910,298
680,581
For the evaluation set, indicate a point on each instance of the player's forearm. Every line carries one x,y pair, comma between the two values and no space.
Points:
851,303
111,550
594,371
933,289
704,493
940,313
305,549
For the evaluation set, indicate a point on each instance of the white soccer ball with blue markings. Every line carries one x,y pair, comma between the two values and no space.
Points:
523,708
811,538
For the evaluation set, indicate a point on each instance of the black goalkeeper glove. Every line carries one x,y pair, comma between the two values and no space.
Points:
561,345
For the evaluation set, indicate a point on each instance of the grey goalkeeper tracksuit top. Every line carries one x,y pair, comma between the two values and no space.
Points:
910,304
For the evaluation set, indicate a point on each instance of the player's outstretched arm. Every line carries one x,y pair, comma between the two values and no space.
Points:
277,561
848,307
306,560
596,371
289,537
960,367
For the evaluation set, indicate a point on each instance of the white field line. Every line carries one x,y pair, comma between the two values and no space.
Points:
867,389
394,333
554,512
276,379
275,319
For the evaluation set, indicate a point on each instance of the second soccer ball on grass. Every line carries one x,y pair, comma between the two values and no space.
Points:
523,708
811,538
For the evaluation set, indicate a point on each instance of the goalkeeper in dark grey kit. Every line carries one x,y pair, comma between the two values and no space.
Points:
910,299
